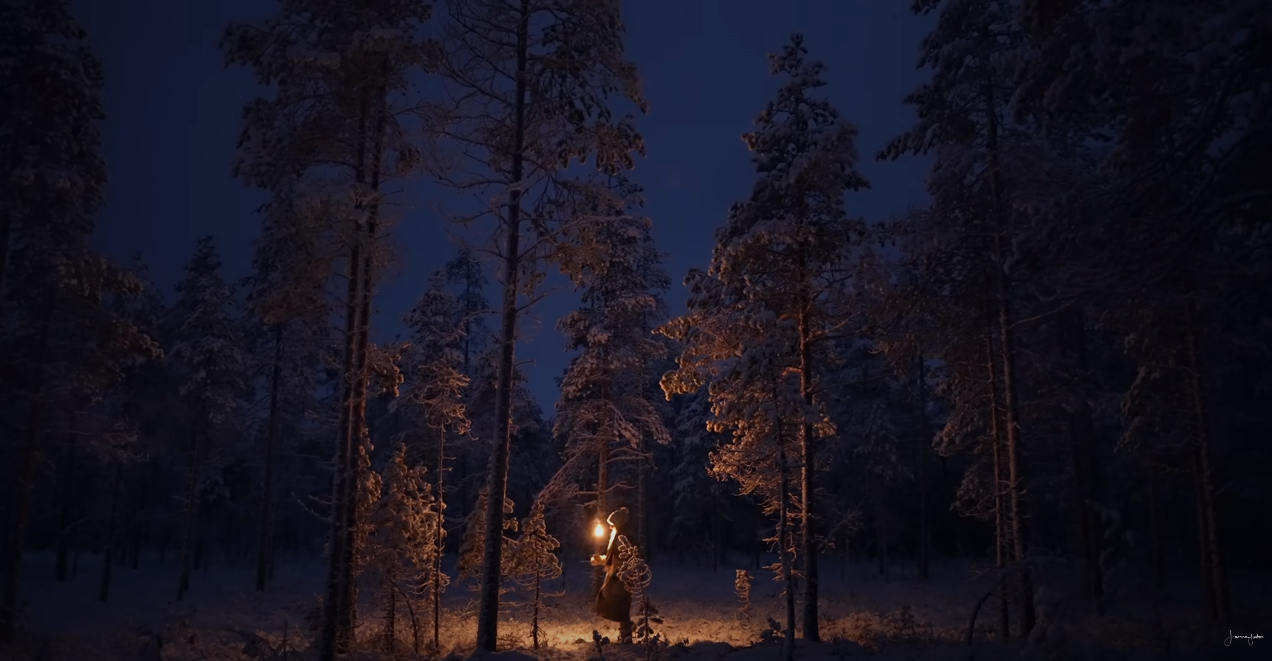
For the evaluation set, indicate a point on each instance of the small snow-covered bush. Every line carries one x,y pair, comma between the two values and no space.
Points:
742,588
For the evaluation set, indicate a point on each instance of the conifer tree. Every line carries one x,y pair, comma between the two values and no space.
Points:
777,277
529,88
340,78
402,552
534,562
208,356
435,390
51,181
605,411
979,200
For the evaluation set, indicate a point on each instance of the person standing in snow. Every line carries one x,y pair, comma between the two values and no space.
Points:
614,602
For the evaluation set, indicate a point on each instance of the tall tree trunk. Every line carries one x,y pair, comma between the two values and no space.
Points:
784,542
64,531
271,444
1155,525
808,520
1210,535
602,511
112,535
360,431
1203,545
390,615
925,442
642,499
439,542
137,533
26,477
497,477
1008,348
331,641
190,516
1002,552
1081,431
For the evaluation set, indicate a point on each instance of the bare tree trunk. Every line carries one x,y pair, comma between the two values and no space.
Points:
64,531
439,542
497,479
602,486
137,532
642,498
271,444
330,640
25,479
925,442
1002,552
112,535
1081,432
390,616
784,543
1218,586
362,343
808,520
1155,524
190,516
1010,406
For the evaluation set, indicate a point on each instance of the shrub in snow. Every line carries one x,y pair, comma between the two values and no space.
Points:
636,576
742,588
533,560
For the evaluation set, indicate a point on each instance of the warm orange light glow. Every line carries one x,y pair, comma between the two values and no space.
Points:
599,531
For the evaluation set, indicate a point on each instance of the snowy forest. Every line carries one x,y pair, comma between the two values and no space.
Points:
1025,418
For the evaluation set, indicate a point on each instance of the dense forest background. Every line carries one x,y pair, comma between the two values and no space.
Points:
1063,356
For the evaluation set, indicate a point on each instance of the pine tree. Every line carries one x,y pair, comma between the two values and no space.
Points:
698,499
780,266
208,357
402,552
978,196
339,78
605,410
51,181
436,384
534,81
534,562
287,298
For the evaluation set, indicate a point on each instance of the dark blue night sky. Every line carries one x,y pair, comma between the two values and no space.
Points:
174,115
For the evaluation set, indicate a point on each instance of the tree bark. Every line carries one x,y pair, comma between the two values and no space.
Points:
642,499
1082,455
353,535
271,444
602,511
784,542
190,515
925,442
808,520
1155,525
1205,471
1010,406
108,555
439,541
64,531
330,640
1002,553
497,478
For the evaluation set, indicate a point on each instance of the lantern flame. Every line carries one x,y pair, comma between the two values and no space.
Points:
599,531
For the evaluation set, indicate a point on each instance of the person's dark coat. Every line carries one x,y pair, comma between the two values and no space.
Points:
614,602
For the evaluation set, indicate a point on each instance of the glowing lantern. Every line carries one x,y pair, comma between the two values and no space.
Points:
599,531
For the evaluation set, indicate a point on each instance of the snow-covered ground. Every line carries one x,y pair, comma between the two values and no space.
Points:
863,616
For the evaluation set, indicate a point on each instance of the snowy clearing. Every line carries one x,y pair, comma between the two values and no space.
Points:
863,617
